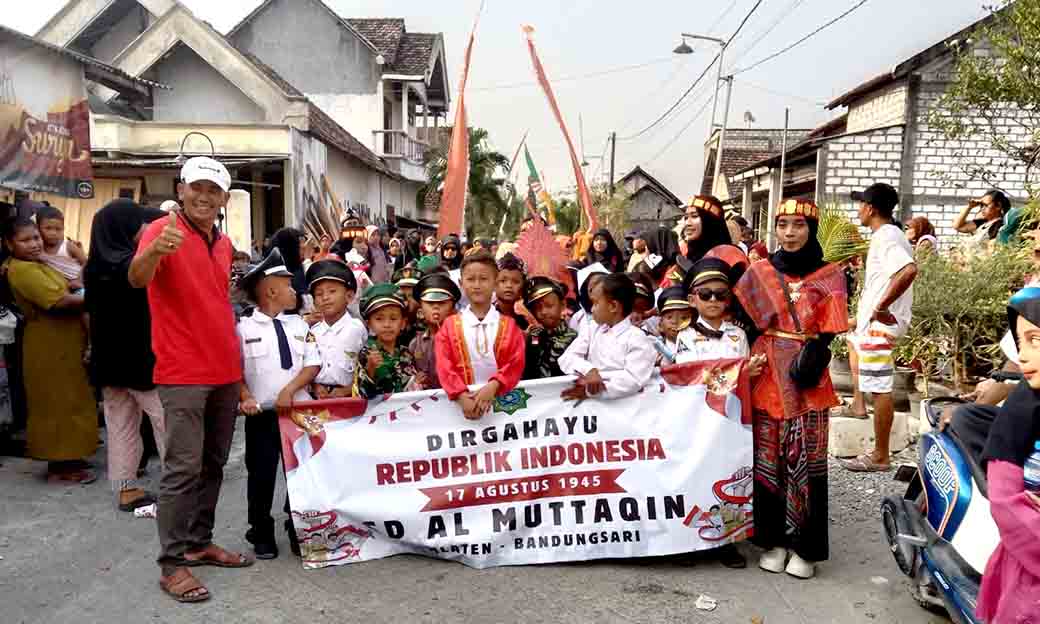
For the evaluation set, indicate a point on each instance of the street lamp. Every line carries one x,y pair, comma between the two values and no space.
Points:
685,49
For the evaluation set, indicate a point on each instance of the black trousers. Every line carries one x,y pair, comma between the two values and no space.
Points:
263,451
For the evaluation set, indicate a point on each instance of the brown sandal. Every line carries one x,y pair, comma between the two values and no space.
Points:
181,583
214,555
864,463
79,476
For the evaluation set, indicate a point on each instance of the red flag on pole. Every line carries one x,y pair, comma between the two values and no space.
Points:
584,198
456,178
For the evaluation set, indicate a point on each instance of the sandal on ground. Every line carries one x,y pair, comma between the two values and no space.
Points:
182,584
864,463
845,411
214,555
142,500
80,476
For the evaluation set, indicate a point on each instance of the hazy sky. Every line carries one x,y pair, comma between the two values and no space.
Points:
576,38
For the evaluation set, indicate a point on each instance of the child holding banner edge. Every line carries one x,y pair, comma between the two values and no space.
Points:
479,345
614,346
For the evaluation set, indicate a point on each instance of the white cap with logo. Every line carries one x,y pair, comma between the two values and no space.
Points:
205,168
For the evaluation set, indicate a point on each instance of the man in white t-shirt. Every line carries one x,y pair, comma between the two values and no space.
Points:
882,318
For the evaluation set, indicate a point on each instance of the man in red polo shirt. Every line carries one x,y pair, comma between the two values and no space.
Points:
186,265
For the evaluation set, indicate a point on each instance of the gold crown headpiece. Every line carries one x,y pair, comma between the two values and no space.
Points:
798,207
706,203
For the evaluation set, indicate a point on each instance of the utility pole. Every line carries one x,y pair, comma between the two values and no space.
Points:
722,133
613,148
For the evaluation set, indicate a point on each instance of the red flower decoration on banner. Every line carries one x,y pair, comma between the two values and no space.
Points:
720,378
308,419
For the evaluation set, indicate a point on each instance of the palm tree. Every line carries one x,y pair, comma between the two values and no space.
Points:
485,204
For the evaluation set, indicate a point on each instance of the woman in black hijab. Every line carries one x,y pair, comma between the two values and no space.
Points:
413,246
662,249
451,252
605,251
799,303
121,359
289,242
704,227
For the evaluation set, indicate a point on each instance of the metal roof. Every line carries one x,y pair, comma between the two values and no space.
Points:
87,61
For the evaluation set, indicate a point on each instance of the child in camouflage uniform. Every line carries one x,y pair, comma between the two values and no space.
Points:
384,365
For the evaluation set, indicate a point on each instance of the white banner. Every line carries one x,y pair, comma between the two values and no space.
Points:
539,480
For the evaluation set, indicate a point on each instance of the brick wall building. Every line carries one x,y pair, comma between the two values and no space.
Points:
885,136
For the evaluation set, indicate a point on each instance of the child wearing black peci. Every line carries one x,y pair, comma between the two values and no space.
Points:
279,362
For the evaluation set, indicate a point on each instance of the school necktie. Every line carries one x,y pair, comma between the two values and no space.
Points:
283,345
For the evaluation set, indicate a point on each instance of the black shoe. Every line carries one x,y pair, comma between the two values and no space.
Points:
294,542
730,557
264,546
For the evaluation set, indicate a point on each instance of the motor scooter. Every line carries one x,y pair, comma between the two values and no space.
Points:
940,531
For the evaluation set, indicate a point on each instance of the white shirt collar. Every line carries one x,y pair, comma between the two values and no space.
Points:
344,321
617,330
260,317
723,327
470,319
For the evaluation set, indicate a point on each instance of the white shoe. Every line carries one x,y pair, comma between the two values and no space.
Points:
800,568
773,560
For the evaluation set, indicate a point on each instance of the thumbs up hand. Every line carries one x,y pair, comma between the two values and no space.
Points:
171,238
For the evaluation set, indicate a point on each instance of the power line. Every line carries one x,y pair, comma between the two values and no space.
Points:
697,116
652,94
760,37
816,102
722,16
604,72
800,41
699,78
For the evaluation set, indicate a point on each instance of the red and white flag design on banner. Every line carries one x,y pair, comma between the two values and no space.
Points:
456,177
584,197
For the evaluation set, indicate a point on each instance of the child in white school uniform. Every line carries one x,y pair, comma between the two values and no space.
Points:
615,359
339,336
279,363
711,336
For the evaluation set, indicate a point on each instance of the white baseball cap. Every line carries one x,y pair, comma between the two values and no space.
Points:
205,168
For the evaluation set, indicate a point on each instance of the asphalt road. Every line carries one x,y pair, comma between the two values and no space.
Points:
66,555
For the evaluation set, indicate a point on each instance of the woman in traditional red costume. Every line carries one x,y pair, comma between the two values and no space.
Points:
799,303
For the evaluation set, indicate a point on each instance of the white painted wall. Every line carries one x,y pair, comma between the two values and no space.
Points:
357,114
199,93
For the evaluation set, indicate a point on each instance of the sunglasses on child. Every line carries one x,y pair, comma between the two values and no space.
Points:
706,294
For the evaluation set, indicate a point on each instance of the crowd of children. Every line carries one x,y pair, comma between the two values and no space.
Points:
469,322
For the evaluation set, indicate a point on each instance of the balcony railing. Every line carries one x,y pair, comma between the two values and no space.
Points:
398,144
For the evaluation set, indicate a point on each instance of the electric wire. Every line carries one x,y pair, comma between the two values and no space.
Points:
758,38
699,78
704,107
595,74
800,41
814,102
